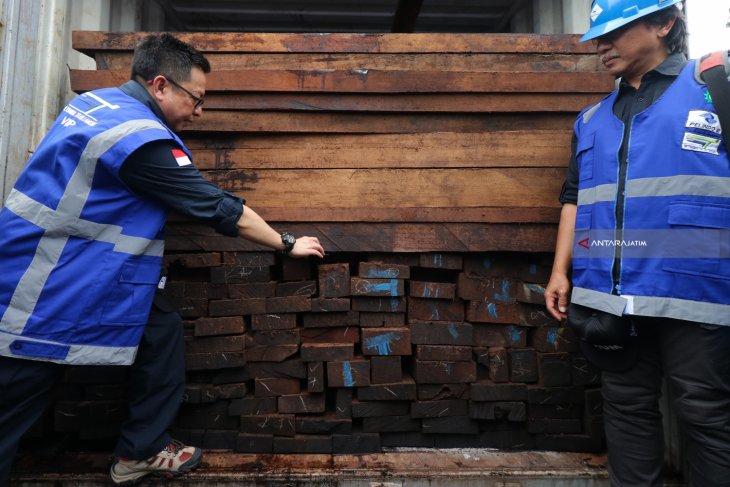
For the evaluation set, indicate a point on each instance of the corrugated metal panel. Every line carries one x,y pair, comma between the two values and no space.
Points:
334,15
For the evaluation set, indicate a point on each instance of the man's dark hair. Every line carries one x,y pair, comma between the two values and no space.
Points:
166,55
677,37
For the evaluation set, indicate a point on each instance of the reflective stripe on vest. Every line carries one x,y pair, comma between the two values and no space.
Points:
66,217
663,186
81,354
675,308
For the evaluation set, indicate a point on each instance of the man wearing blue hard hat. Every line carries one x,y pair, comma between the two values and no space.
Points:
642,260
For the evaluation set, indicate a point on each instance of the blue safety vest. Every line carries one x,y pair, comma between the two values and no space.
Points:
80,253
673,248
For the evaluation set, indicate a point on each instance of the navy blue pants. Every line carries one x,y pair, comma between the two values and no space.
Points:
695,359
156,386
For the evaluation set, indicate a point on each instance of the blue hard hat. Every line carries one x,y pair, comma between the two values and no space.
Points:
608,15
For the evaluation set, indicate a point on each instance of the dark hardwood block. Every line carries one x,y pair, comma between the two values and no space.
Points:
237,307
220,439
444,372
372,320
436,392
215,360
304,403
443,352
377,287
379,305
439,409
390,424
584,373
296,288
384,370
554,395
295,269
386,341
492,312
450,425
315,377
397,391
343,402
435,310
499,411
535,315
522,365
258,353
336,319
555,369
249,259
239,274
251,443
434,333
329,305
486,289
229,325
441,261
252,406
334,280
432,290
205,416
379,270
276,386
275,337
367,409
288,304
352,373
507,336
491,392
410,439
268,424
350,334
550,425
531,293
326,352
251,290
288,369
325,424
281,321
554,339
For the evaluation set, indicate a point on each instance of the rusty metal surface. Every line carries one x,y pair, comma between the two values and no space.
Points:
408,468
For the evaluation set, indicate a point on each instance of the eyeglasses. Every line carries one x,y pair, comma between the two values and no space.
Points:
198,101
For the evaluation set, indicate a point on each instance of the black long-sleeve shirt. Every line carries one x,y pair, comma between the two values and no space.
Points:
153,170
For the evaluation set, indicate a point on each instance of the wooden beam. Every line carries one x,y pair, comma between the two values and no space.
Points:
406,16
374,81
381,237
89,42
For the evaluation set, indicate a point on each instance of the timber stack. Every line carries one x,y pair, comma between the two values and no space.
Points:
429,166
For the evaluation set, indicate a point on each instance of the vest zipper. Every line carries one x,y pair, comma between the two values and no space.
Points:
623,169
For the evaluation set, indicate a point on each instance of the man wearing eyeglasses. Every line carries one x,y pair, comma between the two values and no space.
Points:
82,237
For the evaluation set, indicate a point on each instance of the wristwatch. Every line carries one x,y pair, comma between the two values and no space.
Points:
288,240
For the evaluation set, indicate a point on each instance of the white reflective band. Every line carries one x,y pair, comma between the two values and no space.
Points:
658,307
597,194
679,185
77,355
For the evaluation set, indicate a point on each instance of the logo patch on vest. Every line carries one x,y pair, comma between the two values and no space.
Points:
181,158
700,143
704,120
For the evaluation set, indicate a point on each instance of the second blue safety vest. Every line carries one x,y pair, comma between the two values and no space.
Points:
80,252
673,248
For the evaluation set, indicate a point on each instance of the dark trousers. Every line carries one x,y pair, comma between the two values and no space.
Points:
696,362
156,386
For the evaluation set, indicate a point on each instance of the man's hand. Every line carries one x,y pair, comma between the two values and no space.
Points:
306,246
556,296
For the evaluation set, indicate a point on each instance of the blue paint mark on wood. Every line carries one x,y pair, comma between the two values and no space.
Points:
536,288
533,268
452,330
382,342
552,336
515,334
438,260
504,295
394,304
382,273
492,308
391,287
347,374
435,312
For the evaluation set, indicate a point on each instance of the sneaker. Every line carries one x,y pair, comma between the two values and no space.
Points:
175,459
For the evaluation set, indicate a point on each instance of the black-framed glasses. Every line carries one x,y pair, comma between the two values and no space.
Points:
198,101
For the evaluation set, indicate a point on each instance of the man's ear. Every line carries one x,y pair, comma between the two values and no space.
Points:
665,29
157,87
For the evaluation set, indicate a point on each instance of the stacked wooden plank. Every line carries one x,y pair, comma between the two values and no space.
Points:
429,167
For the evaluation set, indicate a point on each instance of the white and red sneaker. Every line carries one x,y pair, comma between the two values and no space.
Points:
175,459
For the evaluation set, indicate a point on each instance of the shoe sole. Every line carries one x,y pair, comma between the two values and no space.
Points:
187,467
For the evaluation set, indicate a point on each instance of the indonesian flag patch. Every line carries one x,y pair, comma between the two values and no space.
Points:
181,157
